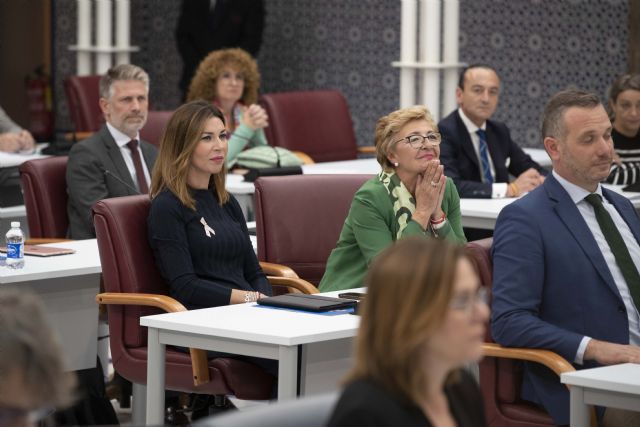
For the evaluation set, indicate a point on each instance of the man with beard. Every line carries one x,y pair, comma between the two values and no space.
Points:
113,162
566,258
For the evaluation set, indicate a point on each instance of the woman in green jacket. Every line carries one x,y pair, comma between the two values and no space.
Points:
411,196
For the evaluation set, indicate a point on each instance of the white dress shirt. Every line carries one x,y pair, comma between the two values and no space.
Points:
498,189
122,140
578,194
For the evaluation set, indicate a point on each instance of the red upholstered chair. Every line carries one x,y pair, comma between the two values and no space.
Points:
135,288
154,128
45,196
82,99
501,371
318,123
299,218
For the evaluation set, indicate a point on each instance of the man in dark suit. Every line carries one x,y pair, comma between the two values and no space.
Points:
566,258
477,152
207,25
113,162
106,164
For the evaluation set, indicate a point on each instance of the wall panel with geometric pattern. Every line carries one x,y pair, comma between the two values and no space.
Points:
538,47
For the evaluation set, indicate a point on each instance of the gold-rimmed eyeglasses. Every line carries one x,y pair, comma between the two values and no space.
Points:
418,141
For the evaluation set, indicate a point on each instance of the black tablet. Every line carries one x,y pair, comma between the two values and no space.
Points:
305,302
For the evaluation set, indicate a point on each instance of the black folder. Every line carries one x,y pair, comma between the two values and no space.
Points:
305,302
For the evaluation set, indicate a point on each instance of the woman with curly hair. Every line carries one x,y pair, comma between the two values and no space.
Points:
229,78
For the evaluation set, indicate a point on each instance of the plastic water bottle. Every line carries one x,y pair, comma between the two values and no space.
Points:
15,246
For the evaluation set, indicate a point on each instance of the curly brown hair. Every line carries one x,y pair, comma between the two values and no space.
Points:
203,84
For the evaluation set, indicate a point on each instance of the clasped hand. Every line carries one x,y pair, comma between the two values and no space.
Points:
429,193
255,117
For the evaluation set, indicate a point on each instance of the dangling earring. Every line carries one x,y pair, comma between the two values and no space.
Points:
395,164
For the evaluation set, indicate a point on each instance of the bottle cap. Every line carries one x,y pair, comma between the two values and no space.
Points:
15,224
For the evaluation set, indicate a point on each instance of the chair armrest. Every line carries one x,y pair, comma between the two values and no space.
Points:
293,283
551,360
306,159
272,269
43,240
368,149
199,361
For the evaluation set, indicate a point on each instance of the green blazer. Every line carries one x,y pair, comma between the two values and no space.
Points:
371,227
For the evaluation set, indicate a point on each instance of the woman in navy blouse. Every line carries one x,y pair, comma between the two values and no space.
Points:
196,228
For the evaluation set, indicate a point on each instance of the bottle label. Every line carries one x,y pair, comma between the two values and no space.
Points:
15,250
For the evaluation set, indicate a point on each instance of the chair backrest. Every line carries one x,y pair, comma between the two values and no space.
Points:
311,411
83,95
317,123
128,264
154,128
501,379
44,186
299,219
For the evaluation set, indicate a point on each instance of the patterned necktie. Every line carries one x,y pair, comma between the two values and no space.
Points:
484,157
617,246
137,164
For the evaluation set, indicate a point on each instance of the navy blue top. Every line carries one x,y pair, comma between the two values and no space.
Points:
203,269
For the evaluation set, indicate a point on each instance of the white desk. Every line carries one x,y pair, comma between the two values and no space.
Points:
483,213
322,343
540,156
616,386
68,285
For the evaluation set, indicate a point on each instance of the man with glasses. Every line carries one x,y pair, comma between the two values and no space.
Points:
566,259
477,152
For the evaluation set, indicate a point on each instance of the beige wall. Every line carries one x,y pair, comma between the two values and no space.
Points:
22,48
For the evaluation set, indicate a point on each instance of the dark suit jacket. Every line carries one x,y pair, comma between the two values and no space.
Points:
234,23
552,286
461,162
87,181
365,403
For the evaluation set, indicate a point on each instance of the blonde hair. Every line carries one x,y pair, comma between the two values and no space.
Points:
388,126
204,82
417,275
180,139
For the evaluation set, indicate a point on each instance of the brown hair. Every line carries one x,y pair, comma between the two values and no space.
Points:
410,286
203,84
622,83
553,114
119,73
388,126
28,348
179,140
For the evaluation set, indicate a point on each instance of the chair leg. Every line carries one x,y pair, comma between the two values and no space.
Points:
139,410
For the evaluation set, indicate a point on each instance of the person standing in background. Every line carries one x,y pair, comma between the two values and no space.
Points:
208,25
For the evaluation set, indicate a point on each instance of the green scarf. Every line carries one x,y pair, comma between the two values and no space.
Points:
402,201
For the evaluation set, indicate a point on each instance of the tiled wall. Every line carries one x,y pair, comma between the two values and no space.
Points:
538,47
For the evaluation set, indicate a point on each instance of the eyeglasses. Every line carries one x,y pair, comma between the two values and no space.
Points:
9,415
468,301
418,141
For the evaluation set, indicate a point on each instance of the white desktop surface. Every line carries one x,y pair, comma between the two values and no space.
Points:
68,285
615,386
86,260
325,343
539,155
